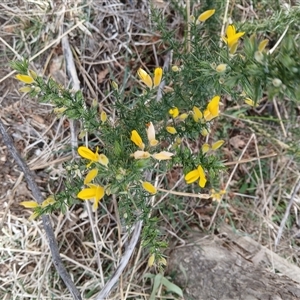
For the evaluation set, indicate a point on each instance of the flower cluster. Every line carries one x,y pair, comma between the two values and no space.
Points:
212,111
141,154
28,80
93,156
38,207
147,80
206,147
93,192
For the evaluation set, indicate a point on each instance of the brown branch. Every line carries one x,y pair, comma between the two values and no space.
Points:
46,220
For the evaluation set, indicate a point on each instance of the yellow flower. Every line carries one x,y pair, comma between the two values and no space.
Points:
141,154
204,132
146,78
151,260
59,111
262,45
157,76
103,116
135,138
171,129
205,148
93,192
151,135
183,116
90,176
196,174
217,144
93,156
217,196
103,160
50,200
232,36
212,109
174,112
206,15
163,155
150,188
32,74
25,78
33,216
114,85
197,114
251,102
175,68
163,261
25,89
29,204
177,142
221,68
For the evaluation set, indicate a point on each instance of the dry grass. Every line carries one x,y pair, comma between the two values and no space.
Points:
114,38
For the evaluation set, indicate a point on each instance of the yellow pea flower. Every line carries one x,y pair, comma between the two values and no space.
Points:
204,132
262,45
50,200
183,116
163,155
136,138
103,116
29,204
24,78
197,114
217,144
174,112
163,261
146,78
212,109
175,68
140,154
150,188
205,148
114,85
217,196
59,111
157,76
232,37
251,102
196,174
171,129
93,192
151,260
25,89
206,15
93,156
221,68
90,176
33,216
151,135
103,160
32,74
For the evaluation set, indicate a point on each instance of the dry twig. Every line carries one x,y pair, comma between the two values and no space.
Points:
46,220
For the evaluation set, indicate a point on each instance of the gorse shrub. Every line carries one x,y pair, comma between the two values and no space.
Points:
150,135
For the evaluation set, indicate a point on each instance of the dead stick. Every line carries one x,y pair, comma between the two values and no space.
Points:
46,220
